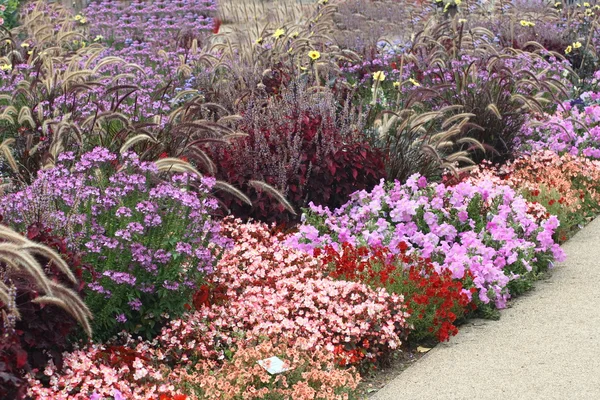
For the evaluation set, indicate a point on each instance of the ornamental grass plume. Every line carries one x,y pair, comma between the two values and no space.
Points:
20,259
424,142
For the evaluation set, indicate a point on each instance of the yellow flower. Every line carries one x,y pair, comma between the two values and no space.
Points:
396,84
314,55
294,35
24,44
576,45
462,21
446,7
303,68
457,2
5,67
414,82
557,4
586,4
379,76
279,33
258,41
30,52
78,17
527,23
83,20
589,12
568,49
438,1
98,38
323,1
597,7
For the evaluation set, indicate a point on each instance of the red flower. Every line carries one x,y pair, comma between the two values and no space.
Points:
216,26
402,246
201,297
174,397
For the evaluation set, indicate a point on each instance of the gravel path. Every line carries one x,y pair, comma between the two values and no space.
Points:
546,346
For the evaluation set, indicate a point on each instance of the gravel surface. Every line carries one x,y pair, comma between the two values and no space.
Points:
545,346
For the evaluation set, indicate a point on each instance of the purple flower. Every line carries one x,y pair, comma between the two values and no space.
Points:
171,285
121,318
120,277
135,304
123,211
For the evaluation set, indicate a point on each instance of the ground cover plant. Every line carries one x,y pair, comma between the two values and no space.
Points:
188,188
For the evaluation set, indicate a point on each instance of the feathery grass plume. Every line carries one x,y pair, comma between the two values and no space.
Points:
500,87
49,25
423,142
19,257
271,56
260,185
362,25
54,72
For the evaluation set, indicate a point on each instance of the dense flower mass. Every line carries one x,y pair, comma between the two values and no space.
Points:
150,242
482,228
563,185
312,375
103,371
278,292
435,300
138,370
149,20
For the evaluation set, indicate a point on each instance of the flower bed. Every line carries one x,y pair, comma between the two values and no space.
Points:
141,142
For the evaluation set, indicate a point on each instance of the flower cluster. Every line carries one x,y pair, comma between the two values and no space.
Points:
149,242
564,185
309,375
137,370
573,130
482,228
102,371
277,292
149,20
435,299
